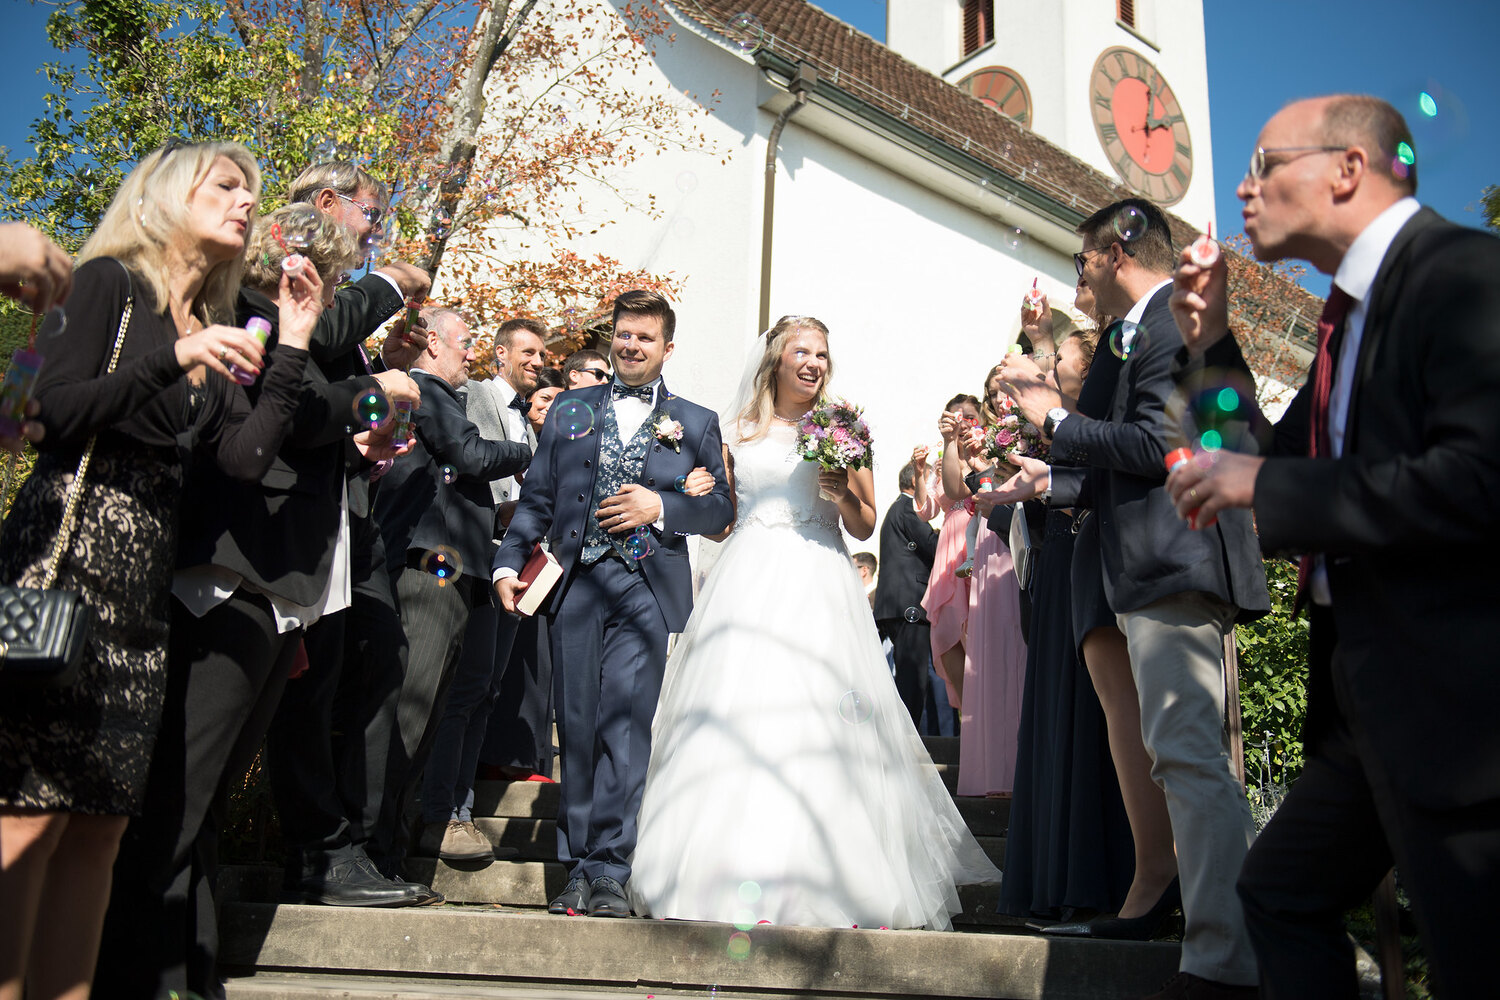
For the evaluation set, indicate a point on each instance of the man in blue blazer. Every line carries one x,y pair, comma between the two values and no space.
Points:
603,491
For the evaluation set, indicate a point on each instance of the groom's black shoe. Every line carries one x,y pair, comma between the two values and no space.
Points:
607,898
573,900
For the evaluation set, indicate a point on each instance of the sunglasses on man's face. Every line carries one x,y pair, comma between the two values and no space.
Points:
599,373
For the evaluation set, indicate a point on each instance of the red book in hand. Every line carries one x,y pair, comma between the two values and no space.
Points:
540,574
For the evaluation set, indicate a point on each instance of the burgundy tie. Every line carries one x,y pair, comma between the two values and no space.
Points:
1331,322
1335,311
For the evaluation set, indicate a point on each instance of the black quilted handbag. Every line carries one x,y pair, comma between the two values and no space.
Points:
42,634
42,630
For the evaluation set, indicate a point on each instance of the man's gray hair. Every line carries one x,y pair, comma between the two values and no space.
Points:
340,176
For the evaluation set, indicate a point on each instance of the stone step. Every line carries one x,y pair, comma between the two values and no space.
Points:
531,884
942,749
536,839
264,985
510,947
537,800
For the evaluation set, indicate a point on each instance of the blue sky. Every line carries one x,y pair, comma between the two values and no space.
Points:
1260,56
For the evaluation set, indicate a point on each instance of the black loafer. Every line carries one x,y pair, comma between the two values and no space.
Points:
607,898
353,882
573,900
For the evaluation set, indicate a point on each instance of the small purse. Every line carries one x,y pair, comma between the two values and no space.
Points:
43,631
1022,555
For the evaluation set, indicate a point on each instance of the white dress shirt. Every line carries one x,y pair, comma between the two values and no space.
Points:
1355,275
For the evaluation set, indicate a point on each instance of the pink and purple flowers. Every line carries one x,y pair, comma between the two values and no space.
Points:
1014,436
835,436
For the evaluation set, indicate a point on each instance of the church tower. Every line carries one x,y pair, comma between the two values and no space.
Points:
1119,84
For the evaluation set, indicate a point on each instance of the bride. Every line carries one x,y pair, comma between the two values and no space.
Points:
787,784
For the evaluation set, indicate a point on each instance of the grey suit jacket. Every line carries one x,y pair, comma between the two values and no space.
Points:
484,405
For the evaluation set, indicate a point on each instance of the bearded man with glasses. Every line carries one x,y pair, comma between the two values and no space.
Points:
1384,475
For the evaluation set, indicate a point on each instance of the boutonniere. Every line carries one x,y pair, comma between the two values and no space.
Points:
669,431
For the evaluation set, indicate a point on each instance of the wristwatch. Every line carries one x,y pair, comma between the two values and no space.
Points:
1055,416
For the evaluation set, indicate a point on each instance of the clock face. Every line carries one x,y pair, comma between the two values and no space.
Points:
1140,125
1002,89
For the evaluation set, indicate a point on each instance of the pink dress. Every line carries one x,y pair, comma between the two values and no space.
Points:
947,599
994,672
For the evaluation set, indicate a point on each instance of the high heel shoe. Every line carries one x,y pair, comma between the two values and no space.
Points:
1142,928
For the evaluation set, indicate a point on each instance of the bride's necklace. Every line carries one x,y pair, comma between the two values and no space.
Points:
785,420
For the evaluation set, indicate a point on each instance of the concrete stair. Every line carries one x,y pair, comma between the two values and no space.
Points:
494,939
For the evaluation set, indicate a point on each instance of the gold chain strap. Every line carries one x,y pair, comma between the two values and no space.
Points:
70,507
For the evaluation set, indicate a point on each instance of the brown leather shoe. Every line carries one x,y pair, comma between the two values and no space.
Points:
1186,986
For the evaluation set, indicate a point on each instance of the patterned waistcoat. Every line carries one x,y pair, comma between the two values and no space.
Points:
618,464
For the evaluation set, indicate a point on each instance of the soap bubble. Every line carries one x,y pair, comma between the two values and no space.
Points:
1127,339
297,227
442,562
750,892
638,543
744,918
746,31
372,409
680,484
913,614
739,946
687,182
1130,224
574,417
1015,237
448,474
1218,412
855,707
1439,124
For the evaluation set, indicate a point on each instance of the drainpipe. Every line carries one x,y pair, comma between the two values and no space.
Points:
801,85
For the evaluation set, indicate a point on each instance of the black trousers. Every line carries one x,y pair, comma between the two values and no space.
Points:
520,727
329,743
225,672
913,655
1339,830
434,614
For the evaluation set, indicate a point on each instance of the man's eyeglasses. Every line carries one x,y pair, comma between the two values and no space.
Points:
599,373
1259,168
1081,258
372,213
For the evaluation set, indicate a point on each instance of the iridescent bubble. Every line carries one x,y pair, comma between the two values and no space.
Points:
855,707
1128,339
1439,124
746,31
448,474
638,543
750,892
1211,440
372,409
744,919
1428,104
442,562
739,946
687,182
297,227
574,417
1130,224
1015,237
680,484
912,614
1218,412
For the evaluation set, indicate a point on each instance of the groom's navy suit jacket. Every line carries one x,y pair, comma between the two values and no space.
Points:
555,499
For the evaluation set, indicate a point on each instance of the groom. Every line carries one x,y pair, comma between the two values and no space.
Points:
606,464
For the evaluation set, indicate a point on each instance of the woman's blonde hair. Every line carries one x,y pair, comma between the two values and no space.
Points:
334,248
150,213
987,414
755,419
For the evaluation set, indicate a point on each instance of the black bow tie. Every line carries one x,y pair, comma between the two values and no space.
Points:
643,392
517,402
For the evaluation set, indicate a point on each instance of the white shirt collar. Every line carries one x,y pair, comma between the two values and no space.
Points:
1139,309
1361,261
655,385
505,389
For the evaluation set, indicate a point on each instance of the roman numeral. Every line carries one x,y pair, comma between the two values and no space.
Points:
1109,132
1015,88
1120,62
1183,149
1178,173
1102,100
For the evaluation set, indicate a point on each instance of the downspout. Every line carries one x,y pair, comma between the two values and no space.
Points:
801,85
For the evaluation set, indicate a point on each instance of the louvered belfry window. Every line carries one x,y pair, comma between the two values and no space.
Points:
979,24
1125,9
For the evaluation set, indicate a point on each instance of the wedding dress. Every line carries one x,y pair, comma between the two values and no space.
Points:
787,783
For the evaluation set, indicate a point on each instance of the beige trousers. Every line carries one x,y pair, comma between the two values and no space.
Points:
1177,657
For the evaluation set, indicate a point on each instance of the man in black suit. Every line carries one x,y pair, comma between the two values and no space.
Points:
1388,477
1175,592
436,515
908,545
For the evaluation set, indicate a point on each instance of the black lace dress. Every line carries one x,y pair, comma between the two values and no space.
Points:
86,748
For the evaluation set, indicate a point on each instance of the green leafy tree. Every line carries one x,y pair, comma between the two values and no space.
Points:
1490,205
1273,684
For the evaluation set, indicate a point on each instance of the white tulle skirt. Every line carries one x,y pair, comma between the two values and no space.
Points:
787,783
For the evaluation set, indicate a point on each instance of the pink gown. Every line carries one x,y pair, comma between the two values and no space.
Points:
947,599
994,673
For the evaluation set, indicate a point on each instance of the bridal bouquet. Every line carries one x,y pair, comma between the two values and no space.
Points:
835,436
1014,436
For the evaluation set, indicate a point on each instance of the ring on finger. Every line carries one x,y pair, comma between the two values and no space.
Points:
223,353
1193,493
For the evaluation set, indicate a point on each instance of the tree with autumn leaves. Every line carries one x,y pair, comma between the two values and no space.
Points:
487,118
